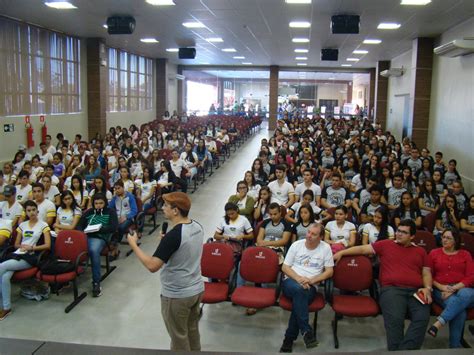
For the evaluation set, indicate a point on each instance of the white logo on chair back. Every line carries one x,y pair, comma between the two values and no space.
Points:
352,263
216,252
260,255
422,242
69,241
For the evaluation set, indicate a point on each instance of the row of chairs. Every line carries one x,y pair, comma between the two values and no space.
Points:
259,265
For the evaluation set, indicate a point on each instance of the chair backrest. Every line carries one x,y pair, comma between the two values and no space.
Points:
259,265
429,221
468,242
217,260
353,273
256,230
70,244
425,239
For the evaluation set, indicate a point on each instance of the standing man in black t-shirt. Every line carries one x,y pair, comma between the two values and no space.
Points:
181,282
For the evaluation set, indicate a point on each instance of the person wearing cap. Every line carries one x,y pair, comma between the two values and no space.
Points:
178,256
22,148
10,213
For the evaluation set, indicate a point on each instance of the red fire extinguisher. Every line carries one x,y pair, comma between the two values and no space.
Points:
30,143
44,129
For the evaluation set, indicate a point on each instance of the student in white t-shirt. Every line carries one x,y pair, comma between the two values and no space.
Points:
46,209
51,192
23,189
308,184
340,233
379,228
283,192
68,214
233,228
253,187
190,159
79,192
11,209
146,187
307,263
46,157
26,244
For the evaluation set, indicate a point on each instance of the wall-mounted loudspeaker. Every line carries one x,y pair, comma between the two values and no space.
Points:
187,53
329,54
120,25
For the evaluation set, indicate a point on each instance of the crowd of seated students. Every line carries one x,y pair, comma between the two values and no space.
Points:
105,182
362,185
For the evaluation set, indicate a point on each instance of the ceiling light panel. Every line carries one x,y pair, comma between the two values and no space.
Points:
301,64
360,51
346,65
388,26
193,24
301,58
229,50
300,24
215,40
172,50
300,40
415,2
301,50
239,57
60,5
149,40
372,41
298,1
352,59
161,2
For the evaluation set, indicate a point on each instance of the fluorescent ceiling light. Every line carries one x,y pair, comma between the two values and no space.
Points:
215,39
300,24
298,1
149,40
161,2
205,63
172,50
372,41
300,40
239,57
352,59
360,51
301,58
194,24
301,64
60,5
388,26
105,26
301,50
415,2
229,50
246,63
346,65
332,78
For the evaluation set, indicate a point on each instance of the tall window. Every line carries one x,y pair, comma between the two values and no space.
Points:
130,82
39,70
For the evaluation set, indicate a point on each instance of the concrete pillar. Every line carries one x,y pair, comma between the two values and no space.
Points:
420,90
273,99
161,86
96,86
371,100
181,84
381,94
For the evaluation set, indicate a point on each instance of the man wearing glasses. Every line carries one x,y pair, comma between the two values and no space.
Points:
404,271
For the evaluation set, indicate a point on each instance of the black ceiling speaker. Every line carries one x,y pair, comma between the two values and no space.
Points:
120,25
329,54
348,24
187,53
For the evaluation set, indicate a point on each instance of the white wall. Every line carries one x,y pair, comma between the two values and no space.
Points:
451,126
359,84
172,87
398,86
68,124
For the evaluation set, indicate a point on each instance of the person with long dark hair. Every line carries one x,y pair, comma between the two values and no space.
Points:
407,210
453,276
428,199
379,228
165,177
100,186
467,217
447,216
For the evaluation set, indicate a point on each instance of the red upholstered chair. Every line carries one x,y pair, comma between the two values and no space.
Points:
315,306
468,242
429,221
425,240
71,246
217,262
436,310
352,273
258,265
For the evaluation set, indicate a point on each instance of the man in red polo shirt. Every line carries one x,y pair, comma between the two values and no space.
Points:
404,270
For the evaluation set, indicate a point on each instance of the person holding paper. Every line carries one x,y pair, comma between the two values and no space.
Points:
106,218
404,271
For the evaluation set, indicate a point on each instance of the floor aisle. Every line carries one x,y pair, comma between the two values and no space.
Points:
128,313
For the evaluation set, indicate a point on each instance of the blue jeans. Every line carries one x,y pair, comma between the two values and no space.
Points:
95,246
300,298
454,312
7,268
122,228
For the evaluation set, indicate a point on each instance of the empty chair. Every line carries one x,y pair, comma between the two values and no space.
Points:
425,239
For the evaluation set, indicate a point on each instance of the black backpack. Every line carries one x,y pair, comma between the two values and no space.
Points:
54,266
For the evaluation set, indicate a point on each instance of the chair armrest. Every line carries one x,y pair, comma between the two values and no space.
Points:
78,260
374,291
6,251
232,280
328,290
209,240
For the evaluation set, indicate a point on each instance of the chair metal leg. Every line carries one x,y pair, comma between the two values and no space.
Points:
77,298
108,269
334,331
315,325
155,225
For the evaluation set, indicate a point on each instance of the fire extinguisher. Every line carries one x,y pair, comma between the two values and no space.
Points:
44,129
30,143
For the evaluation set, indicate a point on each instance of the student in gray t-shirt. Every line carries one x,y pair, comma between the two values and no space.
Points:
179,257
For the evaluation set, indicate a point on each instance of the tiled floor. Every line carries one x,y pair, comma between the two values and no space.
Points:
128,313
